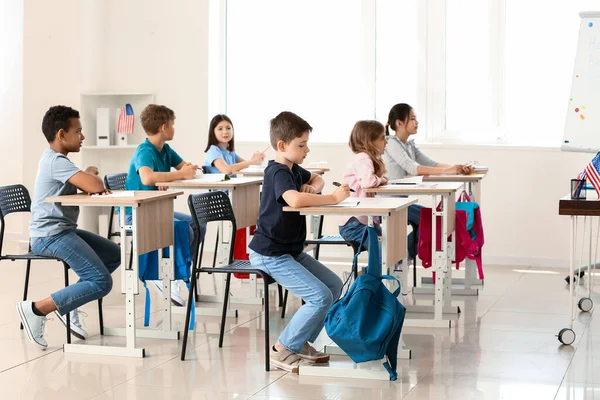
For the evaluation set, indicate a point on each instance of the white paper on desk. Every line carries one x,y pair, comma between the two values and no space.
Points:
254,168
413,180
480,168
126,193
349,202
210,178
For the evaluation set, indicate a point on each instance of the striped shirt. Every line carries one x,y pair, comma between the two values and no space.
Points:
402,159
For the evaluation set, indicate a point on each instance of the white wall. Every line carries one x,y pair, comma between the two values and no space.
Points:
147,46
11,97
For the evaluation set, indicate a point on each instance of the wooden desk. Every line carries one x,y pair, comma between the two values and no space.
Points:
441,259
394,216
244,194
152,229
256,172
473,186
393,212
575,209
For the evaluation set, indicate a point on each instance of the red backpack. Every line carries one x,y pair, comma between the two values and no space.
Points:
468,243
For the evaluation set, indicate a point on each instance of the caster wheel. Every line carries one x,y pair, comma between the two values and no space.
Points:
585,304
568,280
566,336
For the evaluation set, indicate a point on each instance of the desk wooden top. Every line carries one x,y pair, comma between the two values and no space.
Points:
425,189
139,197
318,170
454,178
367,206
261,172
201,184
589,206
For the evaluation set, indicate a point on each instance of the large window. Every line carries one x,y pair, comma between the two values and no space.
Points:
400,56
499,74
303,56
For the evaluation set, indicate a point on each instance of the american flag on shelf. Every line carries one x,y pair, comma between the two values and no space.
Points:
592,173
125,123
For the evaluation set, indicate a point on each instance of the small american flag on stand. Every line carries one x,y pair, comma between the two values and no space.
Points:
125,123
592,173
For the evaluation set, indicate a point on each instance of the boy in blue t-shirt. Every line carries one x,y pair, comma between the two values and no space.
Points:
53,229
278,243
152,163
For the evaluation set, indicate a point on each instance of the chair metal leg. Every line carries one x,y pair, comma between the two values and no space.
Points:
216,249
68,317
131,255
317,251
100,317
267,348
280,294
110,221
224,315
27,271
284,305
188,313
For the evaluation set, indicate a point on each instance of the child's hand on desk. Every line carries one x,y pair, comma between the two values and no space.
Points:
257,158
105,191
384,181
341,193
465,169
308,189
188,171
91,170
162,188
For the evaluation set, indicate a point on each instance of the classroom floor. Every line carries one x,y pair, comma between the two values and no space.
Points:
504,347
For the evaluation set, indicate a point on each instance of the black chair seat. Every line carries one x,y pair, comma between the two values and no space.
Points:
330,239
239,267
28,256
128,233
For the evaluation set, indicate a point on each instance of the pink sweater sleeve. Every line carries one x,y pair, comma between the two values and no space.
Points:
365,173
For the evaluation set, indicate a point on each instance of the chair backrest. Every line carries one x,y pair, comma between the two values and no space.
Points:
115,181
13,199
211,207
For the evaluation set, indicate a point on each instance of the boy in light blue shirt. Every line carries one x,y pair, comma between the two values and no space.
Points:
53,229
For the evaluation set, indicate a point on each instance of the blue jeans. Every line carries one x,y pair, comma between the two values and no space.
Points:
308,279
92,257
353,230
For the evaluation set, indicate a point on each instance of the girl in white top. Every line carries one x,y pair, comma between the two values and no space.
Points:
402,156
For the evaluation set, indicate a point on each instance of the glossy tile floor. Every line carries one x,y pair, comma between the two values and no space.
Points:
503,347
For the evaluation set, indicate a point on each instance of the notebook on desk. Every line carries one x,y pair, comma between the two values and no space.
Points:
410,181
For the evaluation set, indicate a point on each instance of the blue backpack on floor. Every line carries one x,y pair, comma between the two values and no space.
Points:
366,322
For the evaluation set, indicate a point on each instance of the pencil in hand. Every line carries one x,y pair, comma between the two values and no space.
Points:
339,184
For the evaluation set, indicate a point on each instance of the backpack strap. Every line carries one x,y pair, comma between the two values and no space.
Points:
391,353
193,313
146,305
374,265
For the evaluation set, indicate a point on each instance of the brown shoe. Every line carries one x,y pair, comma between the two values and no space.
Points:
288,361
309,353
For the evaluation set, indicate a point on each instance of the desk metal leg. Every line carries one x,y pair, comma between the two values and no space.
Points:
131,287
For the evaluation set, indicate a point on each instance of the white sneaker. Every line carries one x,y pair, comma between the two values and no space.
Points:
76,326
32,324
176,298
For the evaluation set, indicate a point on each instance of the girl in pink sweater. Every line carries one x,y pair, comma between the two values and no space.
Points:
366,169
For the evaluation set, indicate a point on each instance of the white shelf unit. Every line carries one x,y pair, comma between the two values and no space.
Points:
109,159
90,102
